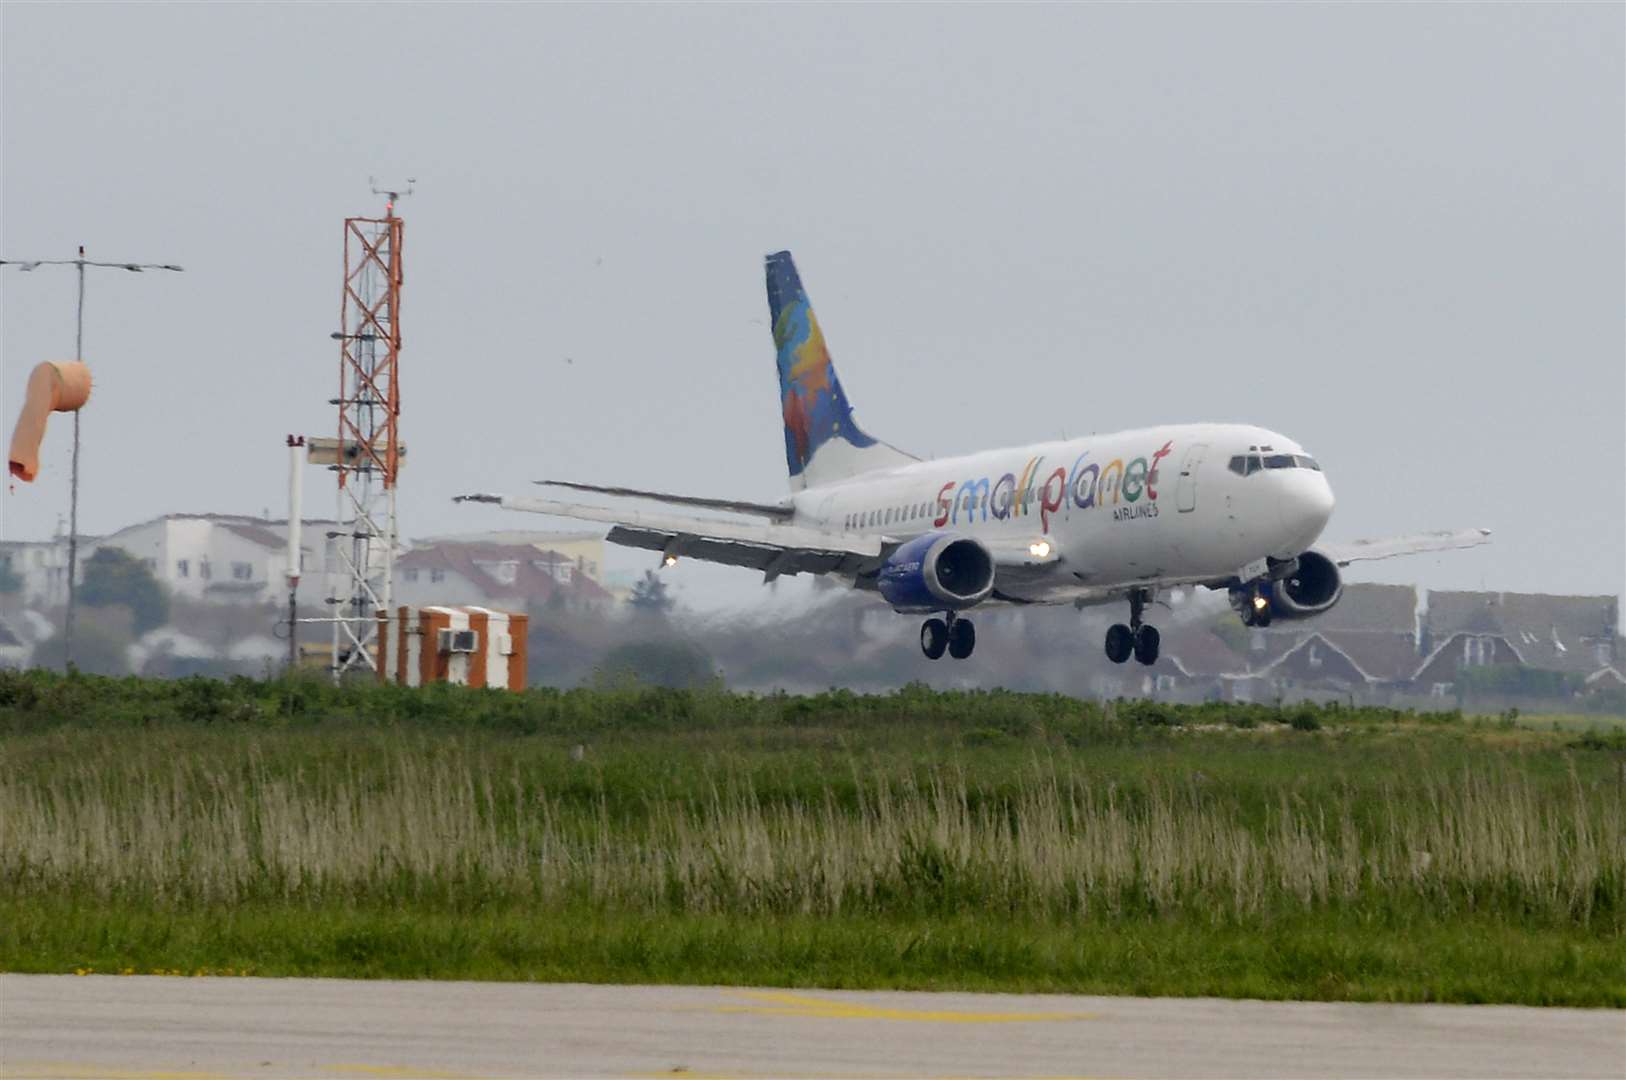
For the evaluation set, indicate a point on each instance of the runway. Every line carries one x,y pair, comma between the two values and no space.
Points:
149,1028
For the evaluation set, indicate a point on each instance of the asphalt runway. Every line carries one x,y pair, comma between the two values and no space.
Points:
148,1028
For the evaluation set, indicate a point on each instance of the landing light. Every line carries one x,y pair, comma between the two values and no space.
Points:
1039,549
1260,603
670,560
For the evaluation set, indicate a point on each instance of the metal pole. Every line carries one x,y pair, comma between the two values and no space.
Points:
296,500
79,264
73,488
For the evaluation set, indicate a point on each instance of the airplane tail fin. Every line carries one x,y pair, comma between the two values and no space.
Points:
822,441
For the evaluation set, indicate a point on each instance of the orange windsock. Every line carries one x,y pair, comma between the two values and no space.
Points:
53,387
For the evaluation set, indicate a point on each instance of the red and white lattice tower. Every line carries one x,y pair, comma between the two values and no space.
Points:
369,447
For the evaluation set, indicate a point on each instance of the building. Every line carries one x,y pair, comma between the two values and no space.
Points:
516,577
41,568
1366,645
1574,636
230,558
582,551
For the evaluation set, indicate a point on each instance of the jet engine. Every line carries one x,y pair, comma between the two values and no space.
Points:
1312,587
937,572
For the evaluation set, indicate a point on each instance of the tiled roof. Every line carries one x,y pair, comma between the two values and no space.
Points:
1385,657
1556,633
1199,654
1389,608
530,582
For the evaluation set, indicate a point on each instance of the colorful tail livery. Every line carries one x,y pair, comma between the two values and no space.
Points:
823,443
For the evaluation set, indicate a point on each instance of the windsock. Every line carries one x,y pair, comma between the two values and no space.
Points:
52,387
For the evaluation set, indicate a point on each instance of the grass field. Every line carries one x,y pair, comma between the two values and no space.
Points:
990,841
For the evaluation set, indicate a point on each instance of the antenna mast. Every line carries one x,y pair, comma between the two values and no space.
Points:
368,455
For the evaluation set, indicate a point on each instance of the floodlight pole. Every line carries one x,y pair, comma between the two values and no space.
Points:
79,265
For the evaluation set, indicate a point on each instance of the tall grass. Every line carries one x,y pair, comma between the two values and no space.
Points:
463,823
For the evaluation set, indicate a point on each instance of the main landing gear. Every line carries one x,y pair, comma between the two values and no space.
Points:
955,635
1137,639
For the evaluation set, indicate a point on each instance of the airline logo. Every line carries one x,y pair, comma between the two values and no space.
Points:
1130,488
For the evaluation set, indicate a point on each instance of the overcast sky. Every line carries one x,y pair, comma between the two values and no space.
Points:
1392,232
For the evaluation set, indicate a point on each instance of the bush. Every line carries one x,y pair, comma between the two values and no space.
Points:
1305,719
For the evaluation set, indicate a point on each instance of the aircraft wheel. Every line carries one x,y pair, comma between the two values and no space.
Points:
934,638
962,639
1120,643
1147,640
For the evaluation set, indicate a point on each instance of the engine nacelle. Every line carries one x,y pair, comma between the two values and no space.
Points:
937,572
1312,588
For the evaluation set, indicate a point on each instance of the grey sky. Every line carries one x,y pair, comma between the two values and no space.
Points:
1393,232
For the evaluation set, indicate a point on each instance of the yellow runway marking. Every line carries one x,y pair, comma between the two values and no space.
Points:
777,1004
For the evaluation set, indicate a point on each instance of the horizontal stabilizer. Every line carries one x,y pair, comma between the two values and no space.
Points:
734,506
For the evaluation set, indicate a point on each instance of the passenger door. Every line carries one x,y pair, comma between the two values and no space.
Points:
1185,489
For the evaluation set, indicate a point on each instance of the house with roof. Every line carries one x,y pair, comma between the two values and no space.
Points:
228,558
1366,645
1198,665
515,577
582,552
1573,636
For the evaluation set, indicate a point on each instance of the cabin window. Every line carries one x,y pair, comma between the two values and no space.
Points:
182,568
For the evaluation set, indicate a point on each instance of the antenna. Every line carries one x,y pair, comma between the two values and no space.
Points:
366,456
395,195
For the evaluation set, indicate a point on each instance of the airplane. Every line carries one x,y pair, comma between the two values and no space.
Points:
1116,518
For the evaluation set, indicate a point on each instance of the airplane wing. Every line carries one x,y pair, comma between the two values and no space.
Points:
773,549
1415,544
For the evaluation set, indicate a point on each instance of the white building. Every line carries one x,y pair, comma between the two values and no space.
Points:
215,558
42,566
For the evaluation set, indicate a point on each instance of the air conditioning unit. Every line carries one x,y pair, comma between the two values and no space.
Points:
459,641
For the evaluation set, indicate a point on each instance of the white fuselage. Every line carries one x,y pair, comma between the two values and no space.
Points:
1085,518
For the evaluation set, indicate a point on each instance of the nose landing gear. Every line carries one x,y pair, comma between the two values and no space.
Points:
953,634
1137,639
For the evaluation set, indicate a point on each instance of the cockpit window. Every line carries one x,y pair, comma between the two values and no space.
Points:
1248,464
